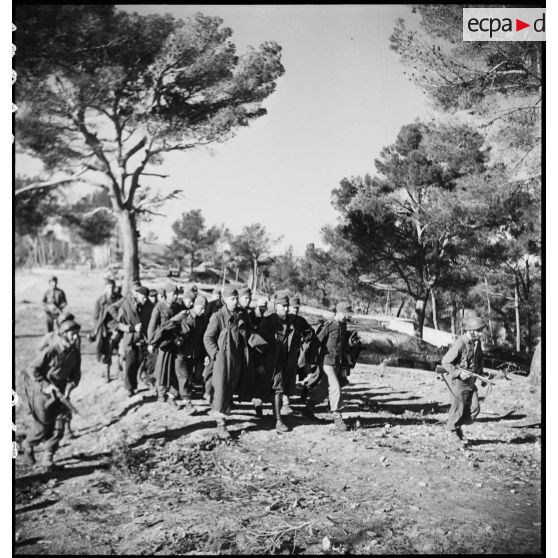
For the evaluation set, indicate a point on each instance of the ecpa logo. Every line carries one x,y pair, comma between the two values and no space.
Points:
504,24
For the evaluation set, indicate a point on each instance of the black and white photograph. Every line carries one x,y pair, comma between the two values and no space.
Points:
278,279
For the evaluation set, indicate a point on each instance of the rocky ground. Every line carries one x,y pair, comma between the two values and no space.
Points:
143,478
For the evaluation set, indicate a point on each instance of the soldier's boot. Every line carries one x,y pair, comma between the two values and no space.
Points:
461,436
47,464
29,455
258,407
221,430
171,400
280,426
308,412
339,423
286,409
188,408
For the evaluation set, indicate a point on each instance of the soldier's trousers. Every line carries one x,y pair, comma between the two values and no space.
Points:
48,423
465,405
50,319
187,370
327,386
132,362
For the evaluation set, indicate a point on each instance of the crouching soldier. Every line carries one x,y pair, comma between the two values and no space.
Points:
55,372
463,357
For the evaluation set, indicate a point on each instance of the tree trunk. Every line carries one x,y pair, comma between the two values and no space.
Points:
130,255
434,316
535,374
420,305
254,275
400,307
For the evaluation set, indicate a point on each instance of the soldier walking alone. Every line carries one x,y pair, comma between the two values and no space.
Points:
54,301
463,357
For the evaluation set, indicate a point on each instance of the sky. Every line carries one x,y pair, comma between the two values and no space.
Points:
343,97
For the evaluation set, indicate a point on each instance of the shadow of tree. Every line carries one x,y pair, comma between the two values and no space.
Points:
37,506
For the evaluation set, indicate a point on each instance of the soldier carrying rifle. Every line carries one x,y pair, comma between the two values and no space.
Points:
54,373
464,363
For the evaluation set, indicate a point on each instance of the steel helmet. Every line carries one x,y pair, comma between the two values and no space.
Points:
474,324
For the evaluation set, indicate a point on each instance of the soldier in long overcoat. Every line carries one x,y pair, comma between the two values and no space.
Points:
224,342
54,301
104,325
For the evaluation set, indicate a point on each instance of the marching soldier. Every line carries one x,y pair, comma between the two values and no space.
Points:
214,304
162,360
332,358
134,315
463,357
261,310
104,324
50,379
224,342
54,301
280,356
191,351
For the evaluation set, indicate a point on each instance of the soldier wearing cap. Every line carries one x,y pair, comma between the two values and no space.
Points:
104,325
54,301
134,315
463,357
164,377
332,358
261,310
153,296
56,367
190,352
224,341
280,355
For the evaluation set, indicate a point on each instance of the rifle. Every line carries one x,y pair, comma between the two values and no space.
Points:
442,370
64,400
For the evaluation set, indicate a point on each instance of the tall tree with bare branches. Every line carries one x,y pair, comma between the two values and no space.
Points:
104,95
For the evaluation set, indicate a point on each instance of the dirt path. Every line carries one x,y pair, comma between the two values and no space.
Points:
144,478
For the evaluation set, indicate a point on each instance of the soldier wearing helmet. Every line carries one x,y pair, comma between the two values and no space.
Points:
56,369
465,354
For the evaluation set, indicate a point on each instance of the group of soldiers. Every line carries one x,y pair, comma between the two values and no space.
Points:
188,347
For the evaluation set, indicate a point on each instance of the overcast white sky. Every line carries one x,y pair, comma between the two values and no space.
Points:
342,98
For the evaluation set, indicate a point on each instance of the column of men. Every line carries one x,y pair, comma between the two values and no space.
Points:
185,346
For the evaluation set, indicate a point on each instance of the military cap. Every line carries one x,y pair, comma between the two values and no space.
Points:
200,300
69,325
295,301
474,323
282,298
244,290
189,295
170,287
345,307
65,316
142,290
229,290
153,292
